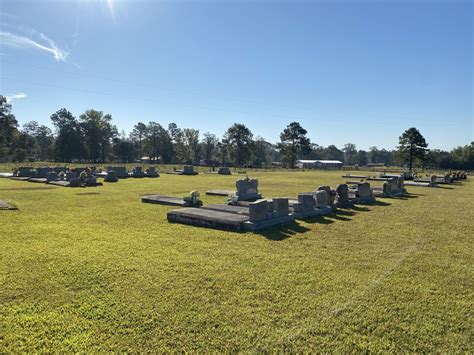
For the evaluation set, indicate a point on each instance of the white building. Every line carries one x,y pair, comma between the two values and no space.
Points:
319,164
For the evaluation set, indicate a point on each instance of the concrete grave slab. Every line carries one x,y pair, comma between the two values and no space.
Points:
227,208
4,205
165,200
207,218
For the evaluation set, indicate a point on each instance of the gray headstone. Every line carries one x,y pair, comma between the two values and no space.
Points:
258,211
364,190
42,172
307,201
151,171
75,182
330,196
91,181
224,171
342,191
52,176
247,189
321,198
188,170
71,175
280,206
24,171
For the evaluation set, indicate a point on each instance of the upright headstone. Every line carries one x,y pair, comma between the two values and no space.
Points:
91,181
330,195
258,211
24,171
224,171
75,182
42,172
151,171
111,176
280,206
247,189
364,190
71,175
321,199
188,170
342,193
52,176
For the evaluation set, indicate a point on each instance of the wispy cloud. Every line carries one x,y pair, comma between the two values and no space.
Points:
11,97
111,6
22,42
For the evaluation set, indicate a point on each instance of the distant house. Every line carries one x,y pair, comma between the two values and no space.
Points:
319,164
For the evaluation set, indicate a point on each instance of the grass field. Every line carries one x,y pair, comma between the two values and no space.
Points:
96,270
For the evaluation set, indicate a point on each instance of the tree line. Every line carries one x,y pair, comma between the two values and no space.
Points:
93,138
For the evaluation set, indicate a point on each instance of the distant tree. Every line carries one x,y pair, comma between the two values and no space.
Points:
98,133
68,143
362,158
293,141
262,152
191,145
153,135
238,142
333,153
138,134
412,145
39,140
158,143
209,145
350,154
123,149
8,128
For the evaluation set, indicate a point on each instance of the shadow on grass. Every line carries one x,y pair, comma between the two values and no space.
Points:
407,196
29,188
378,203
283,232
446,187
359,208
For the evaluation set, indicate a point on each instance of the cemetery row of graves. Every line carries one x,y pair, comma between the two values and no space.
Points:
244,209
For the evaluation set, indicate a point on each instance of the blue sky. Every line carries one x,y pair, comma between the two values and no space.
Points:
348,71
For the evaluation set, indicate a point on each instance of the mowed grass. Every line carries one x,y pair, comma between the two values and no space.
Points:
96,270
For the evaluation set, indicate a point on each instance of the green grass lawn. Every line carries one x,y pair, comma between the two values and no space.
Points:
95,269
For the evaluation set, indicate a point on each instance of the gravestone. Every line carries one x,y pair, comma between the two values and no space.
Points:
111,176
71,175
306,202
138,172
364,190
322,199
42,172
258,211
91,181
330,195
188,170
342,195
52,176
224,171
75,182
23,171
280,206
120,171
151,171
247,190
